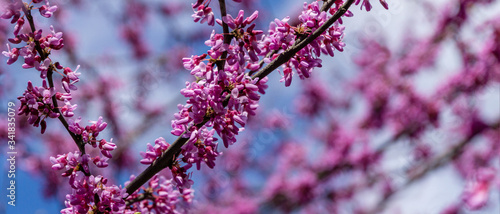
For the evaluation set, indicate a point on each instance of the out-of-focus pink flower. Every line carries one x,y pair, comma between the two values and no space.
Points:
476,192
13,54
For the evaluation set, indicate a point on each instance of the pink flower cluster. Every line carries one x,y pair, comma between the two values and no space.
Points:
203,13
282,36
35,53
36,103
33,40
154,151
224,95
220,99
477,190
235,89
162,196
89,135
90,193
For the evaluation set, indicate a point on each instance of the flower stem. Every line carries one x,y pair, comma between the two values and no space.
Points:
50,71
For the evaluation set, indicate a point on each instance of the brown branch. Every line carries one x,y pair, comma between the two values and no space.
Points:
50,71
327,4
227,36
167,158
288,54
142,197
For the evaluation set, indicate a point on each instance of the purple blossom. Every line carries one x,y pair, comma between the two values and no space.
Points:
68,82
193,61
43,67
47,10
90,133
13,54
75,127
280,36
155,151
476,192
110,198
36,103
164,195
287,76
63,96
97,126
87,187
30,56
181,121
12,11
197,4
181,178
311,16
366,4
239,22
67,109
54,40
69,162
106,147
216,41
201,147
204,14
19,26
59,162
101,162
222,99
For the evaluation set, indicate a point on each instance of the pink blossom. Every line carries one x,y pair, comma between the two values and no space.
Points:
12,11
43,67
19,26
476,192
13,54
67,109
47,10
165,196
204,14
154,151
53,40
68,82
36,103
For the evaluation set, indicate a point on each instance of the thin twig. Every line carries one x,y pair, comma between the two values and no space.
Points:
327,4
288,54
227,36
50,71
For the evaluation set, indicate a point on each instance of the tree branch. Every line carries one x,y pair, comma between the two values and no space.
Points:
50,71
167,158
227,37
288,54
327,4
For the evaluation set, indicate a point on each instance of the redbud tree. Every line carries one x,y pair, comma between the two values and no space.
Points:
247,106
